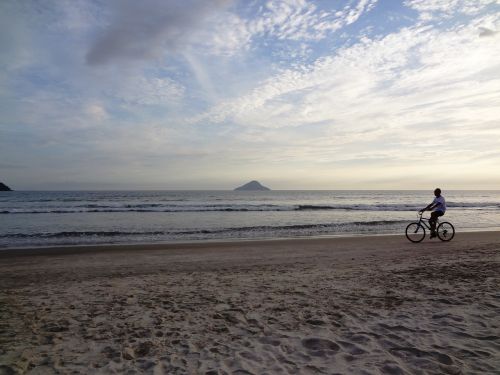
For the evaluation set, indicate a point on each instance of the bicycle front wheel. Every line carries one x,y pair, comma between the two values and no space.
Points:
415,232
445,231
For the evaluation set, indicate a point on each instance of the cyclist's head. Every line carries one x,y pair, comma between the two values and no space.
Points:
437,192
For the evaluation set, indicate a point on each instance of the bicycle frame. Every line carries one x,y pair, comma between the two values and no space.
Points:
424,221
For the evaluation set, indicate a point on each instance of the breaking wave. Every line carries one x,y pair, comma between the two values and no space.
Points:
172,233
161,207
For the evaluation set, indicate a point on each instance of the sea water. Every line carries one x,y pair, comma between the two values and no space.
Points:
36,218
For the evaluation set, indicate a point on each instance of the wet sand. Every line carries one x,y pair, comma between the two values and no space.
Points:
359,305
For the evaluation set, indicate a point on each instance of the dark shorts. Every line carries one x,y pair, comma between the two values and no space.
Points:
436,214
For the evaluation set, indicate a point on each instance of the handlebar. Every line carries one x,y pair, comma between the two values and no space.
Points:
420,213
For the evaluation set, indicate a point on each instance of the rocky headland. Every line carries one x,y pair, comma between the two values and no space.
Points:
4,187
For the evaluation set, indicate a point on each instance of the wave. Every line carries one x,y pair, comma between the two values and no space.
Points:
299,227
477,205
396,207
78,234
131,210
91,208
265,228
172,208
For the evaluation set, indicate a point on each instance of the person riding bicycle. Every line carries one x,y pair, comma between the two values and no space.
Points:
438,208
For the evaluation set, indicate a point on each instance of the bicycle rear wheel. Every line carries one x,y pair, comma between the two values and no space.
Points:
415,232
445,231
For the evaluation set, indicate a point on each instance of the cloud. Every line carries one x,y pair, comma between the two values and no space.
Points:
143,29
141,90
225,34
485,32
302,20
421,88
399,65
352,15
263,87
432,9
96,112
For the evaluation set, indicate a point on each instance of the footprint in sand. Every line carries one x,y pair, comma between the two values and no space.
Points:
315,322
351,348
269,341
410,351
392,369
316,344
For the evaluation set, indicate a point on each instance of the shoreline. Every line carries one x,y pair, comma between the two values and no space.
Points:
76,248
203,242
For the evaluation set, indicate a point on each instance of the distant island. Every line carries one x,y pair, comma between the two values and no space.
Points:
4,187
252,186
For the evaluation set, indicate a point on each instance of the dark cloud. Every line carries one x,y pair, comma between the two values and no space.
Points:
142,29
483,31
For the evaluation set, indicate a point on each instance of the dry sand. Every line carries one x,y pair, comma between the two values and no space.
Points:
370,305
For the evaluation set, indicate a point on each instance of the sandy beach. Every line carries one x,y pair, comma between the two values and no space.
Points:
358,305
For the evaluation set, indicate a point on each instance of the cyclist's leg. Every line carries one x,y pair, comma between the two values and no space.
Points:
432,221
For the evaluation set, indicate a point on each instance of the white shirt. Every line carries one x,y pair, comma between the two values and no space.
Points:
441,204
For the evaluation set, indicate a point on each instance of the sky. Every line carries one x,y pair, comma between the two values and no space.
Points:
210,94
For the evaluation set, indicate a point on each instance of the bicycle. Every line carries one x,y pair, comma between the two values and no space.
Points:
415,232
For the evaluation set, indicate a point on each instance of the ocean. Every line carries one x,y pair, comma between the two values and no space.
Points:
55,218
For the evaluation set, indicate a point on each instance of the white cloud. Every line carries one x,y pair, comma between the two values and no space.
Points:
226,33
418,88
96,112
431,9
353,14
302,20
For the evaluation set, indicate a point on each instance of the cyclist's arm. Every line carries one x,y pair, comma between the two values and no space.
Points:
429,207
